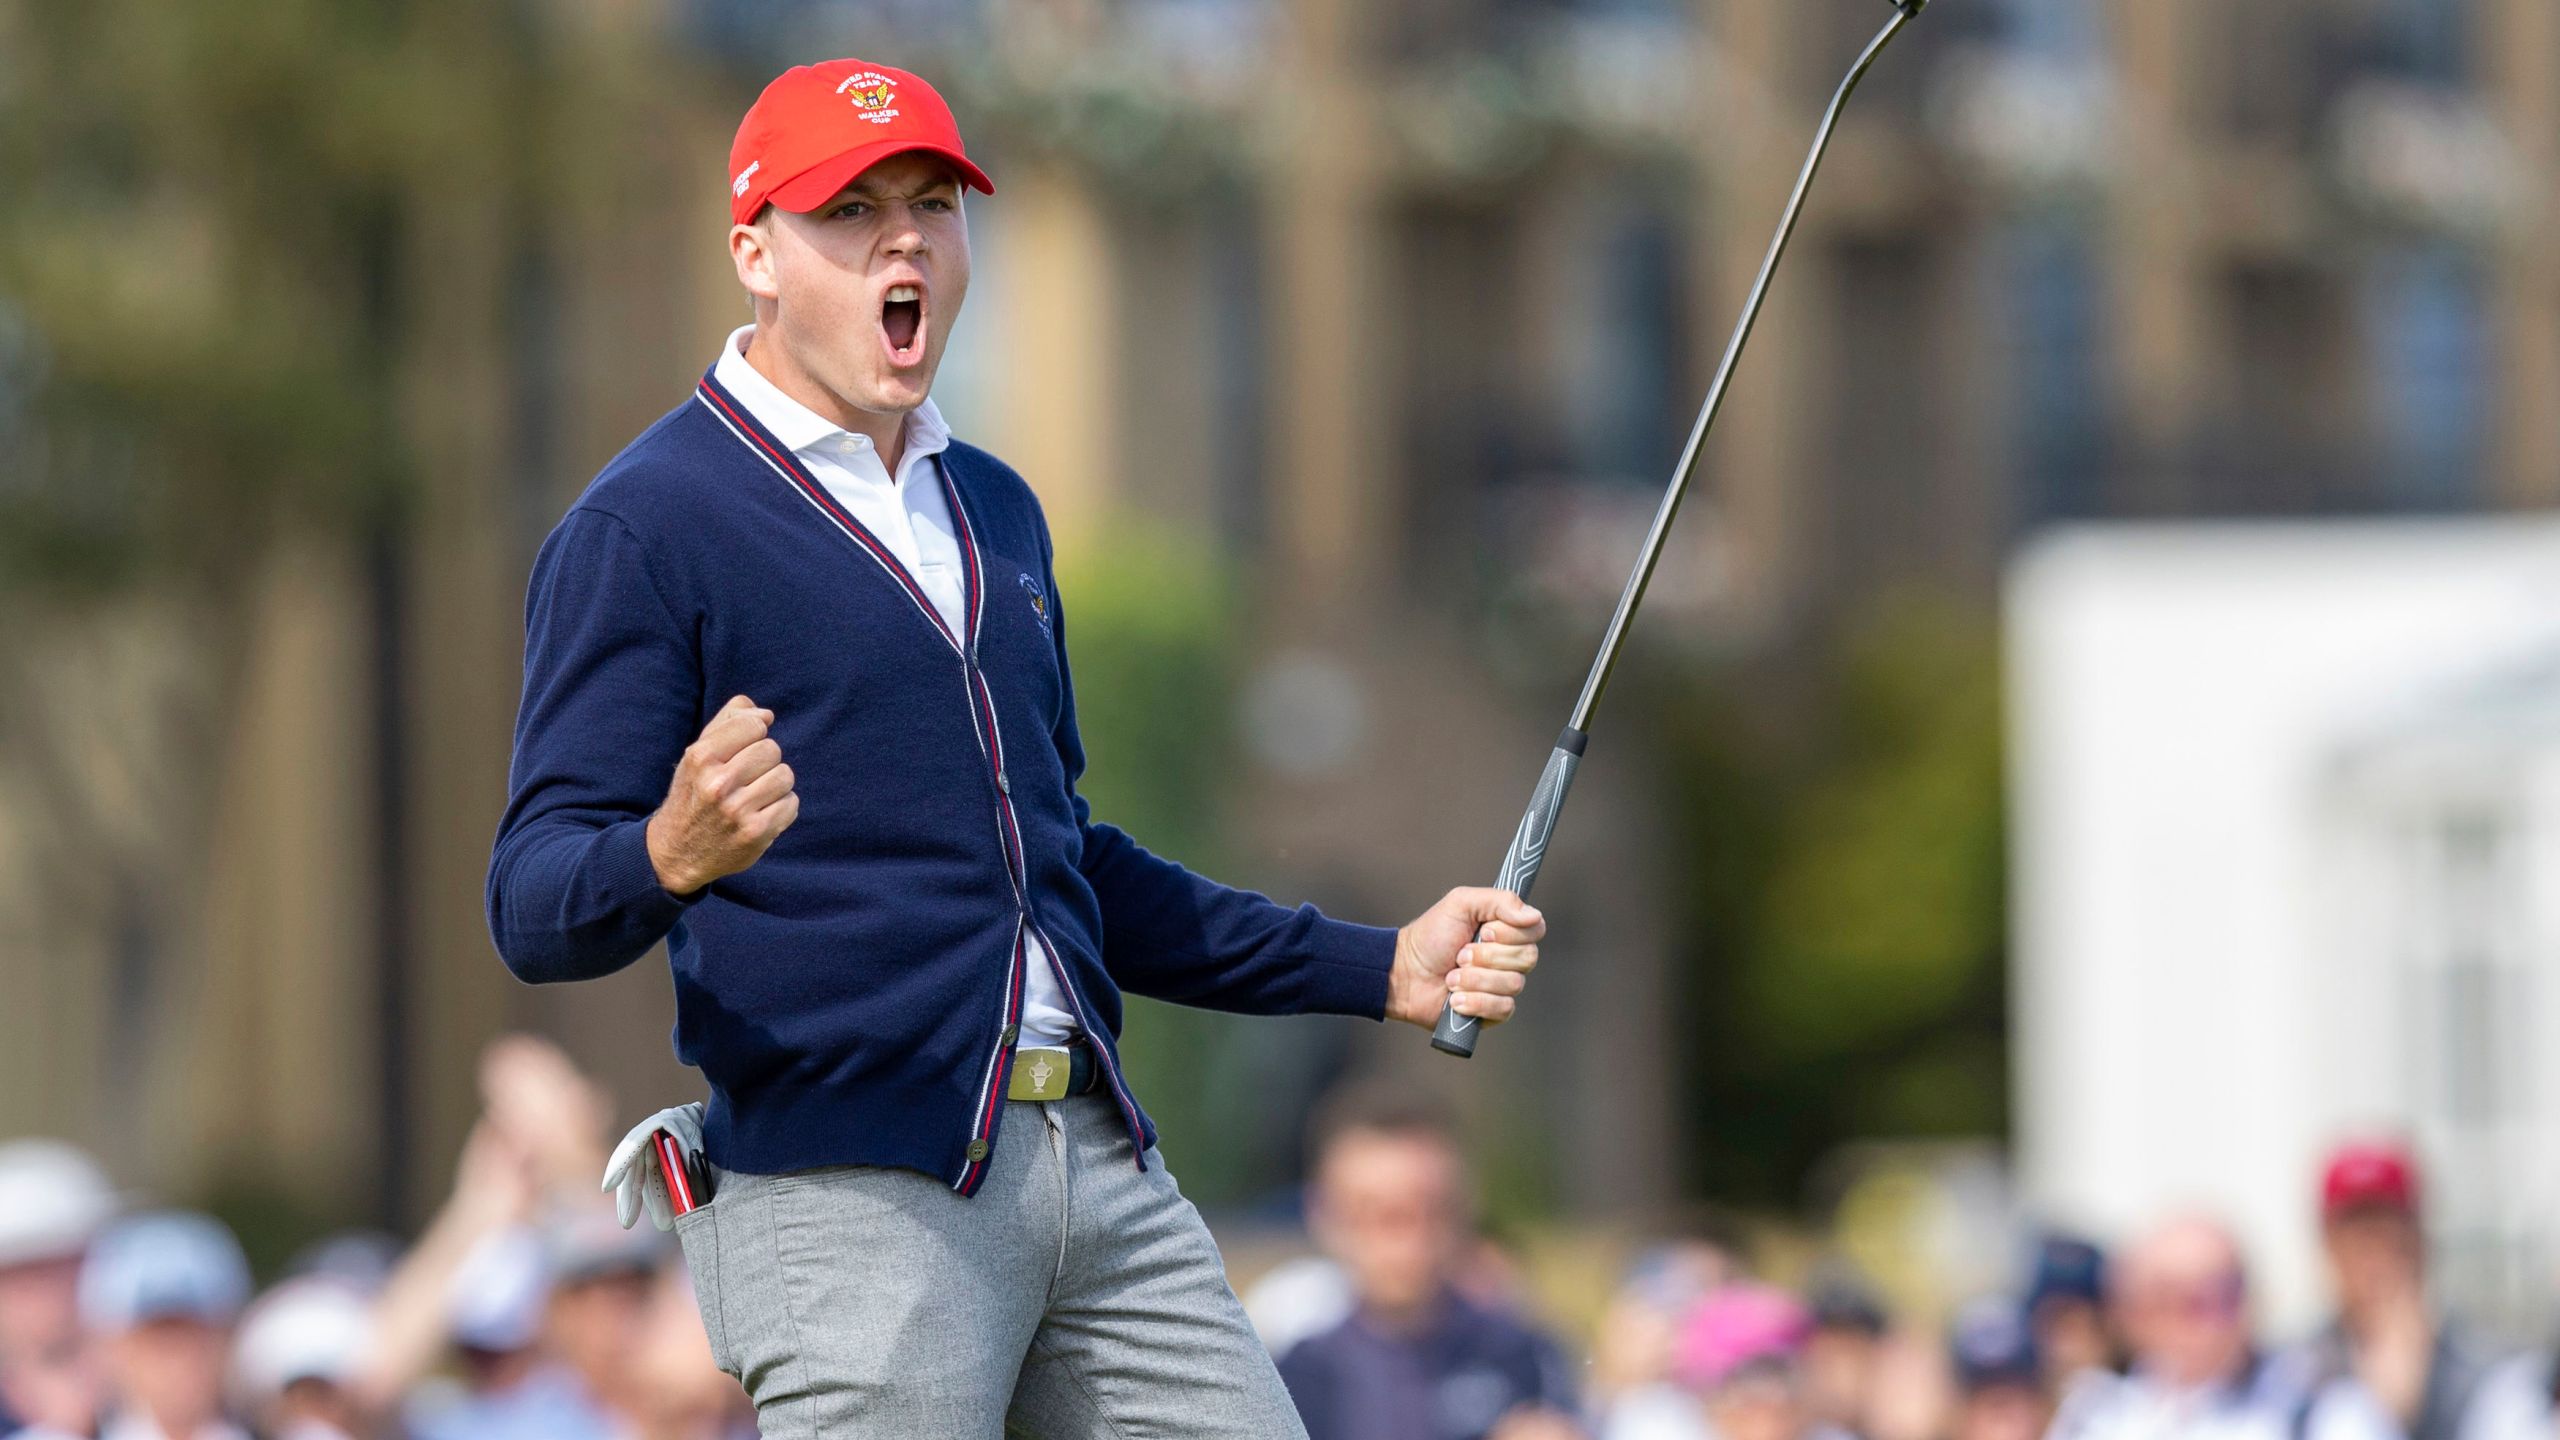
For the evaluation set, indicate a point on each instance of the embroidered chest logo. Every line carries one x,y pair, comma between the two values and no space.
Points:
1039,600
1041,1070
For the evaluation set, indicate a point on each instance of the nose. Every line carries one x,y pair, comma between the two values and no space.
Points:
904,237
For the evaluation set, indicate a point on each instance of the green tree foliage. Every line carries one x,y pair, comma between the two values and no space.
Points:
1847,916
212,242
1151,629
221,222
1150,626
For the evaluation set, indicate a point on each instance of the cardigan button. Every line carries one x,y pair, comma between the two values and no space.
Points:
977,1150
1003,785
1012,1033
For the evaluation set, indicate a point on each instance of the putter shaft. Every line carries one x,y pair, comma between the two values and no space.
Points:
1456,1034
1633,595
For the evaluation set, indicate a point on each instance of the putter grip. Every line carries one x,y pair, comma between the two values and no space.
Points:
1456,1034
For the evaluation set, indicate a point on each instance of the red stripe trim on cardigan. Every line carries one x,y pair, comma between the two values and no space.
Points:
808,485
996,1078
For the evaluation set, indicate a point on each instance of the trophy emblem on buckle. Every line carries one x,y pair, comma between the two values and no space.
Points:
1040,1071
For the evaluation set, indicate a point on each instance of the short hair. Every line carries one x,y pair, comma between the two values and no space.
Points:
1379,1107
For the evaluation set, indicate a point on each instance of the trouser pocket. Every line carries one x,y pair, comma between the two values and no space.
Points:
698,1231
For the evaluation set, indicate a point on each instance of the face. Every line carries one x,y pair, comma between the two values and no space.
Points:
172,1369
2002,1412
56,1386
1839,1371
1761,1402
1391,1208
679,1390
310,1408
597,1325
2071,1335
860,294
2186,1306
39,1303
2375,1256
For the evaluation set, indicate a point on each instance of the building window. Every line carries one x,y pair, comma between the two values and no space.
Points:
2422,40
2058,305
2053,29
2429,356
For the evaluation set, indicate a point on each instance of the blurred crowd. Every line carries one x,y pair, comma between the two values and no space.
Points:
524,1311
1409,1326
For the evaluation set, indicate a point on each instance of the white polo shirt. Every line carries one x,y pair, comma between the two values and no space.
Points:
907,513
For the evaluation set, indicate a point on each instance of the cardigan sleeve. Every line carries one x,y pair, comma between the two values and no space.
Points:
1173,935
612,689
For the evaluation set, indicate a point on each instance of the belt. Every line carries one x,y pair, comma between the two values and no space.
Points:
1052,1073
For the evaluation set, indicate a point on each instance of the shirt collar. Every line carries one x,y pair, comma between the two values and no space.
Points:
798,426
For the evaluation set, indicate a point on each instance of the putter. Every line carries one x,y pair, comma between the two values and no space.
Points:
1456,1034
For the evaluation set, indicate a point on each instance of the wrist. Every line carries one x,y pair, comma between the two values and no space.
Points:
672,878
1410,997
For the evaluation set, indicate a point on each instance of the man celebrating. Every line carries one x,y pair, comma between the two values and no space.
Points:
797,701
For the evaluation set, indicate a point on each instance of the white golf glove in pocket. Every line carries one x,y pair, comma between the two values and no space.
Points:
632,1174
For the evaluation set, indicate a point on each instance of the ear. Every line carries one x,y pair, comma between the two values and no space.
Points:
751,251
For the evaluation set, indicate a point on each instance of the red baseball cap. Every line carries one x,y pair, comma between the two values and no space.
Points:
2369,1175
818,126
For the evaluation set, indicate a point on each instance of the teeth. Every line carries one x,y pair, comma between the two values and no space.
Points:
903,292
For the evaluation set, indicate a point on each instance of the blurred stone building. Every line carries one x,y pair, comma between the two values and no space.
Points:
1402,312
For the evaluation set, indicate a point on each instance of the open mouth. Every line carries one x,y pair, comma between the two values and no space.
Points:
902,323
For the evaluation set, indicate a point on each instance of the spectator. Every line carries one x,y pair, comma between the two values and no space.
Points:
1742,1350
2183,1303
1300,1297
603,1279
2387,1367
498,1295
161,1292
1843,1354
301,1348
1415,1360
2000,1383
681,1395
53,1202
2066,1309
1637,1396
523,1272
550,1322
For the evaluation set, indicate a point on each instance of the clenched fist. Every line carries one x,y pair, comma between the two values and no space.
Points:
1474,949
731,797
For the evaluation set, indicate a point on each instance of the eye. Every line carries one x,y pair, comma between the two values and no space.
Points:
936,203
850,207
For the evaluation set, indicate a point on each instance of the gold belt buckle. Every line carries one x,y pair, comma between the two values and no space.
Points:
1040,1074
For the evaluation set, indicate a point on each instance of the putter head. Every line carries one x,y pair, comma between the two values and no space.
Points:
1911,8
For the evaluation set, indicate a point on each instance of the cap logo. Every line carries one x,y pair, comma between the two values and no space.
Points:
738,186
871,93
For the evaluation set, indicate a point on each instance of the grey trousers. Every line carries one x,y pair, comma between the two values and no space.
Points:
1072,1296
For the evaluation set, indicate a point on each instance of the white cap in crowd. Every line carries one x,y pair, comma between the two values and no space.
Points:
585,1242
165,1265
498,1292
307,1329
53,1201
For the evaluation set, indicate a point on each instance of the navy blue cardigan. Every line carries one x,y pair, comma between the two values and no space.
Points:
854,997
